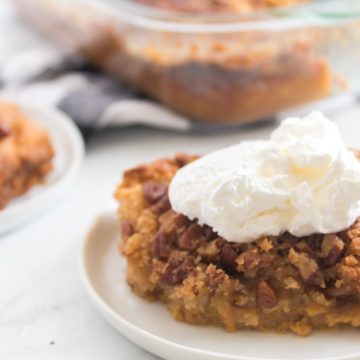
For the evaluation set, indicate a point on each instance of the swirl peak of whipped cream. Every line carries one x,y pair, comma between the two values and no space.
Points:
302,180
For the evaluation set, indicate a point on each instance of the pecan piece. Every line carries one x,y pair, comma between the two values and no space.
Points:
176,271
228,258
190,239
266,298
126,228
316,278
161,247
162,205
208,233
248,260
331,248
304,247
314,241
181,221
4,131
340,292
153,191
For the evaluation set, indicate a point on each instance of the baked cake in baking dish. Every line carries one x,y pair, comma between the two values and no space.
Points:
211,70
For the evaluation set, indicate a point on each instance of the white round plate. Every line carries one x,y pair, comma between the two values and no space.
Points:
150,325
69,152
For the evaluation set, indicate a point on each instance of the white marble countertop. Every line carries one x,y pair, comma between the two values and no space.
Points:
44,310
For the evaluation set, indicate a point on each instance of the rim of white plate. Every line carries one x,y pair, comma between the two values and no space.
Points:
111,316
29,205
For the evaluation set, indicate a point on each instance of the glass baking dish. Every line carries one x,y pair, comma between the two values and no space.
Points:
214,67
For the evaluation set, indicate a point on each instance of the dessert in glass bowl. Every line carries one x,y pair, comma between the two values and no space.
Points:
26,153
262,235
224,61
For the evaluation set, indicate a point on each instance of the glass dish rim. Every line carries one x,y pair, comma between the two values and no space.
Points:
294,16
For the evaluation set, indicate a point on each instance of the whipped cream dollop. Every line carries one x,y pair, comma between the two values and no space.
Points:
302,180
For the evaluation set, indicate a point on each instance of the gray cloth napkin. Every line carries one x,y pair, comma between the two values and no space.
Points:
35,70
